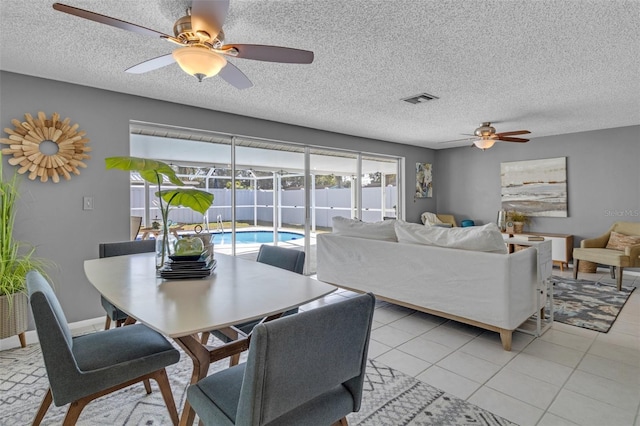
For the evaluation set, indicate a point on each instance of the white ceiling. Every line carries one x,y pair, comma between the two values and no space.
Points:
551,67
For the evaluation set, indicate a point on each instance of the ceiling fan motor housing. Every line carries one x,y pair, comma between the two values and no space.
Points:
486,130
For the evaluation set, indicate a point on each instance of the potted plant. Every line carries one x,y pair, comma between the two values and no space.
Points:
154,172
16,259
519,219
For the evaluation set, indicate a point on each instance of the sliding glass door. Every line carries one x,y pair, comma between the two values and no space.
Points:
266,192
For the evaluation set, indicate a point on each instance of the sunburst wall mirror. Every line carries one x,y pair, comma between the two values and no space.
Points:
47,148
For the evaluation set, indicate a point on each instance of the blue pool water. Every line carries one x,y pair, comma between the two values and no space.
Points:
254,237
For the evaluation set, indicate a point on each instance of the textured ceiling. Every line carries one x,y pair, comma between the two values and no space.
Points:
551,67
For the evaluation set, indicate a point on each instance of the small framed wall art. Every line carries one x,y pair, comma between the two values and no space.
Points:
424,180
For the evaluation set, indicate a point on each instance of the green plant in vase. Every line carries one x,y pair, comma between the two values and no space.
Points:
154,172
16,260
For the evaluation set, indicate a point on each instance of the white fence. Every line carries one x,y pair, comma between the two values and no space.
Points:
329,202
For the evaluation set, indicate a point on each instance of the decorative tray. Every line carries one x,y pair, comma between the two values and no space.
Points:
177,269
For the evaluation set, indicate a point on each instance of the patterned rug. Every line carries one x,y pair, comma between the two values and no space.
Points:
587,304
390,398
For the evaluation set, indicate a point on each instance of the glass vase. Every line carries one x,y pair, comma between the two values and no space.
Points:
165,246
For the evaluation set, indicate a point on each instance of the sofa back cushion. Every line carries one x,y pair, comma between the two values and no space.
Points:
383,230
485,238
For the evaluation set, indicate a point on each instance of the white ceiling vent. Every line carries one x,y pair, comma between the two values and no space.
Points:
421,98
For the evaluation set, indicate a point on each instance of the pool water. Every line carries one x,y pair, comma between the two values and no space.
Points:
254,237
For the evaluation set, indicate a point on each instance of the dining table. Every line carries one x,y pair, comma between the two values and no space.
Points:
237,291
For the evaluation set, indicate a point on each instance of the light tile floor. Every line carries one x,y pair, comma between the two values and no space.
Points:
568,376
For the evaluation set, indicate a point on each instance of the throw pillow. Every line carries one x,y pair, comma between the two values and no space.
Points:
478,238
383,230
430,219
618,241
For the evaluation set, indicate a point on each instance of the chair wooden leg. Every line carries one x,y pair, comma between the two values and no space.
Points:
234,359
204,338
619,279
74,411
147,386
575,268
165,389
107,323
612,272
44,406
23,339
341,422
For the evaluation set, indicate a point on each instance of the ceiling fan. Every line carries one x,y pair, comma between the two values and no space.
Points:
202,52
487,136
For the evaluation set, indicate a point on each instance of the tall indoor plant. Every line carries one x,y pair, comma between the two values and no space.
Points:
154,172
16,259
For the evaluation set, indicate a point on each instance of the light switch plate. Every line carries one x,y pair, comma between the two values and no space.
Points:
87,203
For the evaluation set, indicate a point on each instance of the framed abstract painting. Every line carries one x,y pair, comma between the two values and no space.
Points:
535,187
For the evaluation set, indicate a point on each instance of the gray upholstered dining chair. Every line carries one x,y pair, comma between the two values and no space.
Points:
280,257
120,249
305,369
83,368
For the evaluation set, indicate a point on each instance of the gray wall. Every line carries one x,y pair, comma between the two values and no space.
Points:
51,216
603,179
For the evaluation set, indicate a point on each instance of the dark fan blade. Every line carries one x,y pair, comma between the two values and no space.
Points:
232,75
209,16
508,139
261,52
151,64
107,20
517,132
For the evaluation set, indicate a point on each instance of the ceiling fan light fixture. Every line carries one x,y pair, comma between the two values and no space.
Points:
199,61
484,143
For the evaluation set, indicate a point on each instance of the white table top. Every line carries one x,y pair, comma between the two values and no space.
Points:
237,291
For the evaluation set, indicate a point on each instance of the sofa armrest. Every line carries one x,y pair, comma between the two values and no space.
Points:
597,242
634,254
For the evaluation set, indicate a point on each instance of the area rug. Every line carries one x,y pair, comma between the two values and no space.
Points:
390,398
587,304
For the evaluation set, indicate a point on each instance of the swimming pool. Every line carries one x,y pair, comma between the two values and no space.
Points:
254,237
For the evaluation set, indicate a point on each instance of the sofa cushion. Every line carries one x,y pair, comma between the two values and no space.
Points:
478,238
383,230
618,241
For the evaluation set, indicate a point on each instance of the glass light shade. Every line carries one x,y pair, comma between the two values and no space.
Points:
484,143
198,61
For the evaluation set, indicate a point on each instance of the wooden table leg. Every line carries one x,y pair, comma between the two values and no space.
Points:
200,356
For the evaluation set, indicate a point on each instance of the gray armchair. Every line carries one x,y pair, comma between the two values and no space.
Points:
280,257
598,250
81,369
120,249
305,369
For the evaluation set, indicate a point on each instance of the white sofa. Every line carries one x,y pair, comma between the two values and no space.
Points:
495,291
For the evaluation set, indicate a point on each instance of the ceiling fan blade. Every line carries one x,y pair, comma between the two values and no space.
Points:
151,64
232,75
103,19
508,139
517,132
261,52
455,140
209,15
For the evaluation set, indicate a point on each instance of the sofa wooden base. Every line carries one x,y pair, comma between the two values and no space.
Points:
505,335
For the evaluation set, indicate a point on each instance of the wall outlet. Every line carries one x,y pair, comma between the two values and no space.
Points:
87,203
